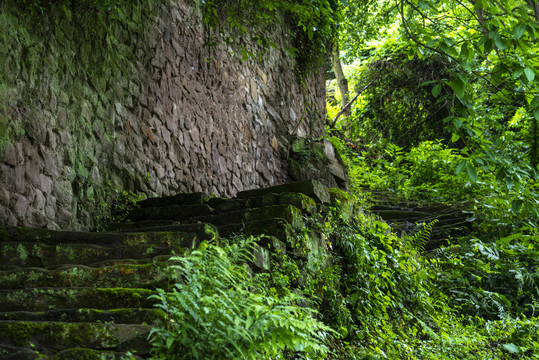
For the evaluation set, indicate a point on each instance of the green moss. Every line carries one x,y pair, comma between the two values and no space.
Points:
21,333
88,354
300,201
343,203
59,335
338,194
66,252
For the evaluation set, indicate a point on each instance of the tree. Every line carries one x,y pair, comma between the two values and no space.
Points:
494,43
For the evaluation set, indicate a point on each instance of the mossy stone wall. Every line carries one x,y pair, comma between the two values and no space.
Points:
138,104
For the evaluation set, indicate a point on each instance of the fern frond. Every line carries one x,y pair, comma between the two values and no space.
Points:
419,239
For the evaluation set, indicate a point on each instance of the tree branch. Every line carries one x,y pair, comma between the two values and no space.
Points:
345,107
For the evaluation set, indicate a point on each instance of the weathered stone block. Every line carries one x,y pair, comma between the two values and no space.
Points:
310,188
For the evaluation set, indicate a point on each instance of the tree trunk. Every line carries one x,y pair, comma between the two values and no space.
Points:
341,80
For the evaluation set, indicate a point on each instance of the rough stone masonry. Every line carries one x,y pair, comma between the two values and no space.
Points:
173,118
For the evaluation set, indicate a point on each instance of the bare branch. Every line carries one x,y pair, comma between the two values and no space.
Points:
345,107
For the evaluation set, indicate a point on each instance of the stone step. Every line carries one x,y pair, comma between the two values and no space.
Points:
287,212
52,237
51,337
119,316
119,275
20,353
131,226
271,227
406,206
169,212
311,188
44,299
178,199
199,231
411,223
25,254
298,200
277,227
406,214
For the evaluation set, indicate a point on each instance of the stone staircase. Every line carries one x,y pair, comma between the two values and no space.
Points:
84,295
67,295
452,220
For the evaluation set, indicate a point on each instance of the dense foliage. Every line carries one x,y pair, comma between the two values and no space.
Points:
382,294
464,129
451,114
463,74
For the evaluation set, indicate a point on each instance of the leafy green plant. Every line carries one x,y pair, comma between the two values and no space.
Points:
493,279
117,210
219,311
419,238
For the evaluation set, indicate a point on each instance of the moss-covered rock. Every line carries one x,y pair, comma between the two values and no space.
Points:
169,212
177,237
40,255
343,203
90,315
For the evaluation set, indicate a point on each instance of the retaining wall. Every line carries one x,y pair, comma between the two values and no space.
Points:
146,108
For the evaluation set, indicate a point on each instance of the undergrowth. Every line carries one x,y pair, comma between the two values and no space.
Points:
219,311
362,293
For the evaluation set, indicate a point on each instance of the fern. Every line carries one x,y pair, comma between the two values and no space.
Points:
421,236
215,313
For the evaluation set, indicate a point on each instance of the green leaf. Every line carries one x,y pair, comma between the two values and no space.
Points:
457,122
436,90
488,46
478,5
501,43
461,166
170,342
472,173
464,49
536,114
517,73
512,348
455,137
458,86
509,183
427,82
423,5
530,74
518,31
466,66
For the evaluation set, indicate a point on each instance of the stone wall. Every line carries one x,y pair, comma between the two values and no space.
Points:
164,115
